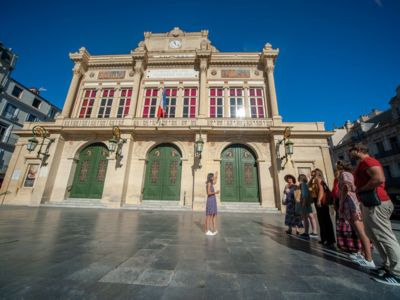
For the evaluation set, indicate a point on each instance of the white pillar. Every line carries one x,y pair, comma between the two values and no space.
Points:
271,87
203,89
136,85
73,87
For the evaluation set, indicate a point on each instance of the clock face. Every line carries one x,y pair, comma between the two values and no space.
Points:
175,44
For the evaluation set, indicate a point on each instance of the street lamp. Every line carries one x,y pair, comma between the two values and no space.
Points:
199,144
288,146
40,132
116,142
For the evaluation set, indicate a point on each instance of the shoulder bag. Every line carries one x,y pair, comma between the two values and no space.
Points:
369,198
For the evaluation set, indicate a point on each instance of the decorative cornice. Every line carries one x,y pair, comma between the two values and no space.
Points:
82,56
139,67
268,57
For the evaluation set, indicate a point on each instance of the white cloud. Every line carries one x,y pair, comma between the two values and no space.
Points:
378,2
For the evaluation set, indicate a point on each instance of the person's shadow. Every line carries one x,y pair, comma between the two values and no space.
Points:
312,247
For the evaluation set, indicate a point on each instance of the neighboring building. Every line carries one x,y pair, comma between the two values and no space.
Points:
18,104
226,99
381,132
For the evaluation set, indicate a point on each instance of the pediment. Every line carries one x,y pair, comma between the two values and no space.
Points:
176,40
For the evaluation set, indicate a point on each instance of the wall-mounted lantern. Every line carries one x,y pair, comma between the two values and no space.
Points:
199,144
43,135
116,142
288,146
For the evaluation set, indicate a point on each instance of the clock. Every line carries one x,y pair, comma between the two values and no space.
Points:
175,44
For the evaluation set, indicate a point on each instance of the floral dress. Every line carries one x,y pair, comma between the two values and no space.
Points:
291,218
349,208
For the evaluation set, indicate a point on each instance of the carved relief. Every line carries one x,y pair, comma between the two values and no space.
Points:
248,173
84,171
111,75
246,154
235,73
173,172
203,65
176,32
228,173
155,168
204,45
101,173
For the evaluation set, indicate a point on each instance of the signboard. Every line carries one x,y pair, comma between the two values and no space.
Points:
111,75
172,73
235,73
31,175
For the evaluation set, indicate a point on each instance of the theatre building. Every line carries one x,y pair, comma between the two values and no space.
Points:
218,112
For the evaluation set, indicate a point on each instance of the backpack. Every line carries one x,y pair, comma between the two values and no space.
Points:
327,199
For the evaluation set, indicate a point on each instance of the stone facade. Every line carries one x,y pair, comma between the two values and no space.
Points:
18,104
380,131
226,99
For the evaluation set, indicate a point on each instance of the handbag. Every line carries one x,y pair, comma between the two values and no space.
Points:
284,199
327,199
297,195
369,198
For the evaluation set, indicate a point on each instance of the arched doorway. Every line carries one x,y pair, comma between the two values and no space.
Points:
90,172
163,173
239,175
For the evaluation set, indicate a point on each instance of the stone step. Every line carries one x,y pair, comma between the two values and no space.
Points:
77,202
158,205
245,208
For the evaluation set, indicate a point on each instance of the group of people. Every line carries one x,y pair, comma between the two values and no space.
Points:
363,210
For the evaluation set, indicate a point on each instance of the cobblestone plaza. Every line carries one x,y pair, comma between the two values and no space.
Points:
69,253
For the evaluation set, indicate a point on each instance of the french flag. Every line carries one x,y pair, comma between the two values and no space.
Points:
161,113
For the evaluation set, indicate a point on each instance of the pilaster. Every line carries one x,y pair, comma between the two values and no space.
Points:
268,57
81,60
203,56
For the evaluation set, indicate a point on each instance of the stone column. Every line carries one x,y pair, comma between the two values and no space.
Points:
199,192
269,69
274,169
203,88
138,68
78,71
267,59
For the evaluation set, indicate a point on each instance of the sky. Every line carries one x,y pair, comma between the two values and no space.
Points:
338,59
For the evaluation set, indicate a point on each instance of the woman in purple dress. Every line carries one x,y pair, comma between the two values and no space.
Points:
211,207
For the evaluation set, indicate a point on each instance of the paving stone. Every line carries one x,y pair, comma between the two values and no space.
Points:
73,253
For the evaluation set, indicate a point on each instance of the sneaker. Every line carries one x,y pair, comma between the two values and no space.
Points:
388,279
367,264
355,257
209,233
305,236
313,235
215,232
380,271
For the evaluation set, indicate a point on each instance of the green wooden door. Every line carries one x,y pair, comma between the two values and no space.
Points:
163,174
90,172
239,176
